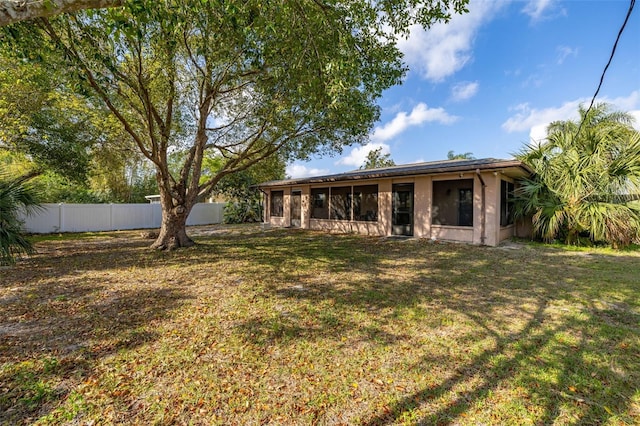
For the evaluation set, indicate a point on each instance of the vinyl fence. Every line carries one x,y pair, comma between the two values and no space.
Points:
54,218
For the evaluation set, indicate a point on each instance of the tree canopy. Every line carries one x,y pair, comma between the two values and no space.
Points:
73,147
242,80
587,179
451,155
376,159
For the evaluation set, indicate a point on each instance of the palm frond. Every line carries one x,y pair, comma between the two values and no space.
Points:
16,197
584,182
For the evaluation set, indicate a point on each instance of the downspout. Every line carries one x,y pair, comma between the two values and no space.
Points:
483,212
264,205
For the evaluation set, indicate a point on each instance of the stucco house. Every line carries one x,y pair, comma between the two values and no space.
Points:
455,200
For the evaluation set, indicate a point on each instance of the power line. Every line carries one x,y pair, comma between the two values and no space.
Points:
613,51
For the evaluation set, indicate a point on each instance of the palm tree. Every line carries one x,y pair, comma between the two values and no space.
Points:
15,196
587,176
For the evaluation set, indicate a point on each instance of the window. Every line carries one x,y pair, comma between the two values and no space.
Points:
365,203
277,204
320,203
453,202
341,203
506,203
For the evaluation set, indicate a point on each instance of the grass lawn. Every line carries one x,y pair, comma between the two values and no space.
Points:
298,327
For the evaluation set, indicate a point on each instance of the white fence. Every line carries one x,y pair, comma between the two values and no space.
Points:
111,217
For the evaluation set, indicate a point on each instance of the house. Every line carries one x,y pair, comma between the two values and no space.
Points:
455,200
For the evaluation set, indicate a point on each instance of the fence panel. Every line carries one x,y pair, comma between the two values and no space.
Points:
85,217
44,221
205,214
111,217
135,216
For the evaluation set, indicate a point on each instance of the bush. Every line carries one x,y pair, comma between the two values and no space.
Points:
242,211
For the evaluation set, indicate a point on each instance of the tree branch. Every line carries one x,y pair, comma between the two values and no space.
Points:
46,26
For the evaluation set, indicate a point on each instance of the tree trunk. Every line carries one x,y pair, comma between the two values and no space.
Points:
19,10
173,231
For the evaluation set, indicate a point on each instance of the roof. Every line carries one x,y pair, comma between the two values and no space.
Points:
512,168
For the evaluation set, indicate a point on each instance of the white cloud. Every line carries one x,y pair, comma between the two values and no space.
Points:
420,114
358,155
537,120
564,52
300,171
542,9
625,104
636,115
465,90
443,49
535,8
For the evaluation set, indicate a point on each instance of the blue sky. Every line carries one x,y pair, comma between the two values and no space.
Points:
491,80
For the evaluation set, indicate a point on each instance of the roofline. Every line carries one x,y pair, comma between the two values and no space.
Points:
397,171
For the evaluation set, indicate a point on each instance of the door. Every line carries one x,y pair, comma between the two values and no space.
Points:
296,209
402,207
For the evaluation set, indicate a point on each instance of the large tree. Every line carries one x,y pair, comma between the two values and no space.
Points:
587,176
243,80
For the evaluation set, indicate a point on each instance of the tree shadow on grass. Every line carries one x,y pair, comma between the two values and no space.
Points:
53,334
566,395
549,354
352,277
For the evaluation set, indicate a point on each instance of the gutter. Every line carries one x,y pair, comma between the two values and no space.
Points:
483,212
405,171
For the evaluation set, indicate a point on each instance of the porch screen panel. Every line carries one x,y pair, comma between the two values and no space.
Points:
506,203
341,203
320,203
365,203
276,208
452,202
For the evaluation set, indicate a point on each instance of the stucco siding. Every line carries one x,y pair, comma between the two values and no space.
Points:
343,226
422,207
452,233
506,232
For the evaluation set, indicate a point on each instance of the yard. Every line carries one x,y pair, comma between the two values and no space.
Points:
297,327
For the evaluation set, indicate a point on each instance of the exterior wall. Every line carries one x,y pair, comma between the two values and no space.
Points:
492,212
305,202
422,207
506,232
486,227
286,210
463,234
384,206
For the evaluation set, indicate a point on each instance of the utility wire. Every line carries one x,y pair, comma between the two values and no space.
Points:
615,45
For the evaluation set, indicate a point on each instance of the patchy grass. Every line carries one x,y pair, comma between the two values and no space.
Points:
294,327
